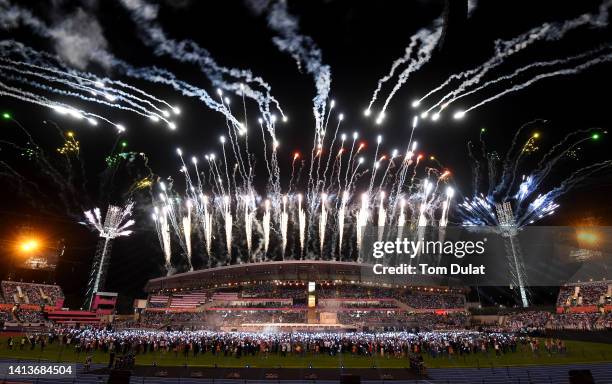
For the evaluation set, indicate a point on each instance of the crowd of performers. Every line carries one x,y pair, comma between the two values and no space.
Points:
237,344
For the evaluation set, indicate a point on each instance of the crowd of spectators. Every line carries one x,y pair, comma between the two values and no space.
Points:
527,321
581,321
24,316
371,318
419,300
590,293
370,304
521,321
274,291
405,320
432,321
5,315
31,293
156,319
356,291
256,304
237,318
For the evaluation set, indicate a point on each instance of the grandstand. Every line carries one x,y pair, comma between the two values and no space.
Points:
585,297
32,293
296,295
33,305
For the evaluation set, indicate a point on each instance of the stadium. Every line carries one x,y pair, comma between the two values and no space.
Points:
298,295
305,192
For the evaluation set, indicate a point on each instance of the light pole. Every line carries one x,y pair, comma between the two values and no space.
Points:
509,231
115,225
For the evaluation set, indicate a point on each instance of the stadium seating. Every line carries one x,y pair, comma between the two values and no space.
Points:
31,293
188,300
585,294
158,301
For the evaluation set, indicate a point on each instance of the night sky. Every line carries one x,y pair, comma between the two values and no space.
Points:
359,40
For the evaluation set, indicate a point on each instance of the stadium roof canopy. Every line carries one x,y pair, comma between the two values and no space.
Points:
280,272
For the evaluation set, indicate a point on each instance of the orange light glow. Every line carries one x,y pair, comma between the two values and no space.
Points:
29,245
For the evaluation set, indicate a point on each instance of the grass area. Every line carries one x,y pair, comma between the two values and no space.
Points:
577,352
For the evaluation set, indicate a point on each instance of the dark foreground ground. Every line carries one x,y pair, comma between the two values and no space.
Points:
557,374
577,352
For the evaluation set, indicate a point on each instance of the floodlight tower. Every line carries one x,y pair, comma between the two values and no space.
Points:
115,225
509,231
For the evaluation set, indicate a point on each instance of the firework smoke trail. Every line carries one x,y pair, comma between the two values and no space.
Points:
518,87
504,49
382,216
187,232
308,57
424,38
456,95
403,171
172,215
341,215
295,157
401,220
359,162
322,223
302,225
375,165
266,228
108,101
348,164
321,184
354,166
144,16
227,214
48,63
207,224
284,221
427,44
339,159
82,81
330,152
234,133
427,187
389,165
60,108
248,223
12,17
450,192
229,184
362,221
302,48
160,218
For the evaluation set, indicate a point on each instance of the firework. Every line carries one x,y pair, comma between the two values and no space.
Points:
324,220
470,80
504,183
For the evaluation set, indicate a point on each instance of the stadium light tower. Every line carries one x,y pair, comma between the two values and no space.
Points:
115,225
509,231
